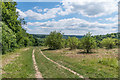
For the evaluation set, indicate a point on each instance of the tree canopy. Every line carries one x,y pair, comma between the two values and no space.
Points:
108,43
88,42
73,42
55,40
13,34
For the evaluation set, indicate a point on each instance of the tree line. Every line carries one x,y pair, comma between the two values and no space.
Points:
56,41
13,35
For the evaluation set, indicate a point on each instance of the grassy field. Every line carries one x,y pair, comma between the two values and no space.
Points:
49,69
18,64
101,63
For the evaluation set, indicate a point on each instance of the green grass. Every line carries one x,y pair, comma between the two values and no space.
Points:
86,65
112,62
22,67
96,65
49,69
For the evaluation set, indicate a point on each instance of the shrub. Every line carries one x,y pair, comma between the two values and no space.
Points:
54,40
88,42
108,43
73,42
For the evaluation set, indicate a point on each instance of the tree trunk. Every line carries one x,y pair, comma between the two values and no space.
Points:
87,51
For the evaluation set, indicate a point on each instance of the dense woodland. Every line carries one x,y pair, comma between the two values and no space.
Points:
14,36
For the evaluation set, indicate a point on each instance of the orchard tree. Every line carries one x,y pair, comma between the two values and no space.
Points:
66,43
108,43
73,42
88,42
55,40
79,45
117,41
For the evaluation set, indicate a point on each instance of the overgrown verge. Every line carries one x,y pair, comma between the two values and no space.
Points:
21,66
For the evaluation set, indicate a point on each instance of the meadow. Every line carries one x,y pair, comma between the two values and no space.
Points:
54,55
101,63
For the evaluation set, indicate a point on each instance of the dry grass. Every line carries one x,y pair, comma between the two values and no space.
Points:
10,57
79,53
97,64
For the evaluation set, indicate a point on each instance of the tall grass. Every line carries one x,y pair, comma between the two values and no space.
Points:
112,62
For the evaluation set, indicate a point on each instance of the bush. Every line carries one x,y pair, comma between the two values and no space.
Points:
79,45
54,40
73,42
88,42
108,43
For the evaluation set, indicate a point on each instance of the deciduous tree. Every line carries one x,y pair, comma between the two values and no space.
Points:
55,40
108,43
88,42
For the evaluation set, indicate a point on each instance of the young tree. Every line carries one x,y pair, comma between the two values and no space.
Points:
79,45
55,40
73,42
88,42
109,43
66,43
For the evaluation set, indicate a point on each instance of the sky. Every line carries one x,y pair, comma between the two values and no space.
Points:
71,17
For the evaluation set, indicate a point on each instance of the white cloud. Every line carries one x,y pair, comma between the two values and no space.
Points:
70,23
46,9
21,13
73,26
113,19
38,16
91,8
37,8
51,13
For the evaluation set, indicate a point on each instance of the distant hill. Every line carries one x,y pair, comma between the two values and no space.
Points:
77,36
64,36
98,37
112,35
39,35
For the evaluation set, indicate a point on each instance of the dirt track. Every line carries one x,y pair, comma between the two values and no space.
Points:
38,74
62,66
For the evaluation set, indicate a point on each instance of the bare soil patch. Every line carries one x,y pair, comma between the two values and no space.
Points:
25,49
